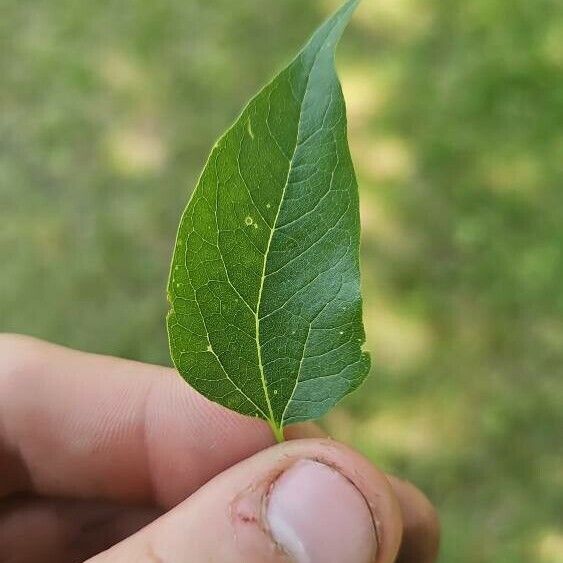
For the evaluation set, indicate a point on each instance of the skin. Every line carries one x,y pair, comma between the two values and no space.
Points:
98,452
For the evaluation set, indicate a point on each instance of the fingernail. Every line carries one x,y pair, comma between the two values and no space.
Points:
316,515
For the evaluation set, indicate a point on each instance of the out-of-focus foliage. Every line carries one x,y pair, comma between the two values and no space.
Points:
108,109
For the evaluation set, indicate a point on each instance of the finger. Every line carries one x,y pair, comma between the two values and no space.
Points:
305,501
88,426
39,530
421,527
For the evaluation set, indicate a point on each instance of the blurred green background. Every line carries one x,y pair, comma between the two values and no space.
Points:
108,110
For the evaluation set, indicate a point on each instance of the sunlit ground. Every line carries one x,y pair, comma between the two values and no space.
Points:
108,110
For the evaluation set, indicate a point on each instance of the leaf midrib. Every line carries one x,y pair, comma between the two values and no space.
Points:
272,231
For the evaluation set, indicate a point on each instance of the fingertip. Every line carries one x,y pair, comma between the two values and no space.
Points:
338,497
304,430
371,483
421,524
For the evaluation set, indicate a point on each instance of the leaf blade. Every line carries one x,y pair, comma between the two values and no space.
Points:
239,331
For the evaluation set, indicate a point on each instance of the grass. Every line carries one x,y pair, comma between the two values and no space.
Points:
109,110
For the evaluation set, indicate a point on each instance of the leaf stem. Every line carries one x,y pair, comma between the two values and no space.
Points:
277,430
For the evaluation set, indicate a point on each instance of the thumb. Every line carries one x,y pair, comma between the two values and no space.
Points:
305,501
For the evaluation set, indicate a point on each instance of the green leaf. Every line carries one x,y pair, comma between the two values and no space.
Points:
265,307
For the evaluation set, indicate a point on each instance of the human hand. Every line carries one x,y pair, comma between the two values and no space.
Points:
97,451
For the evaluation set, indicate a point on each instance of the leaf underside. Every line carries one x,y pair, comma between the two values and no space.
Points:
265,307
